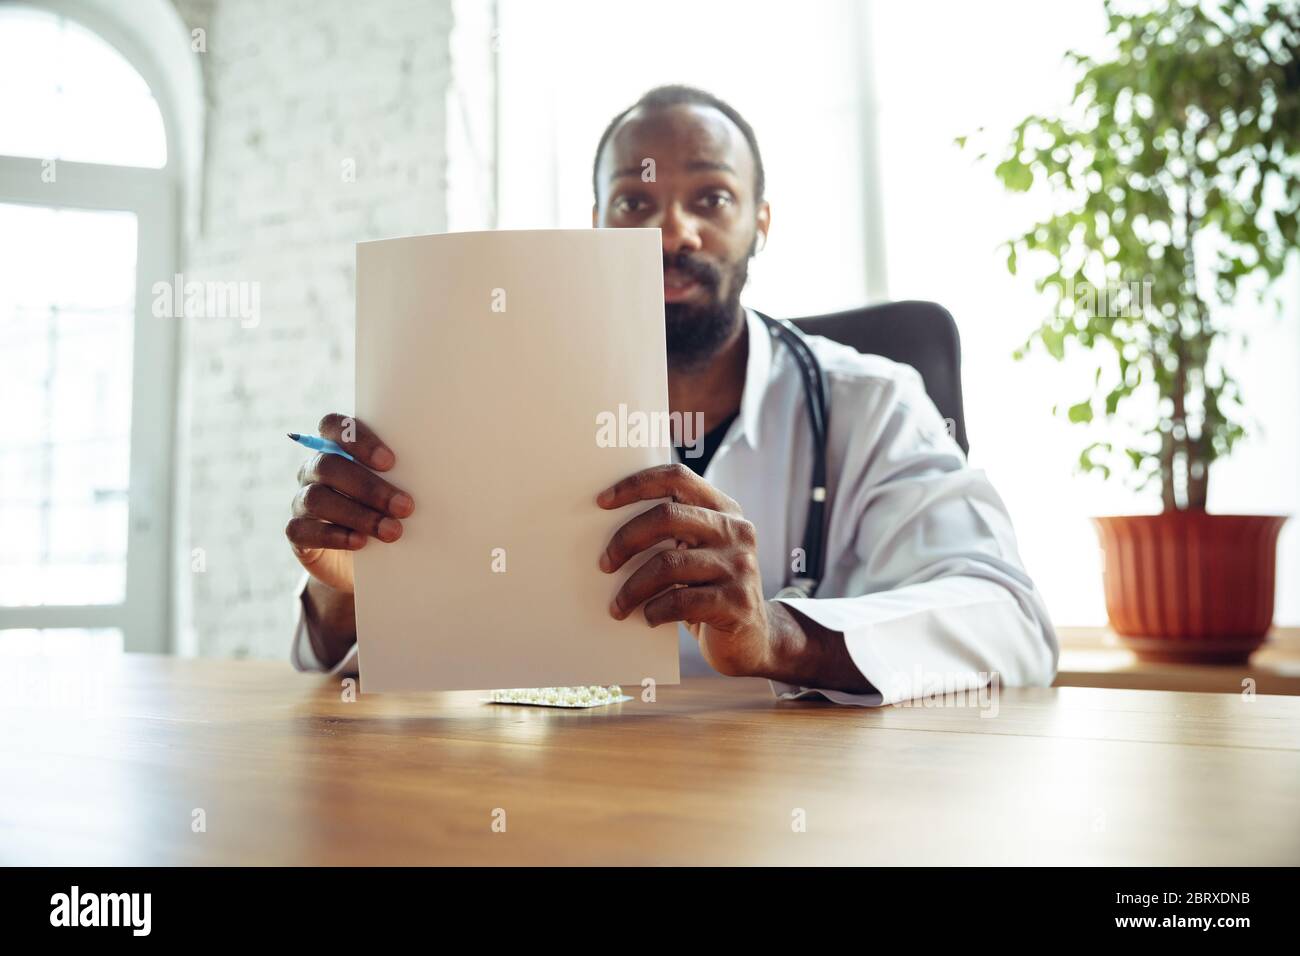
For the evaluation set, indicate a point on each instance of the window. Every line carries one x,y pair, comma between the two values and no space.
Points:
69,95
66,325
86,227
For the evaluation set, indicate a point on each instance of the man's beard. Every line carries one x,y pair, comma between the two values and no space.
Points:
695,332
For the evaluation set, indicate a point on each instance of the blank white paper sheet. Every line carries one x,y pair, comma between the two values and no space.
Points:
486,360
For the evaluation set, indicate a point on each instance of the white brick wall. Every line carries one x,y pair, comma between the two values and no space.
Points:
294,88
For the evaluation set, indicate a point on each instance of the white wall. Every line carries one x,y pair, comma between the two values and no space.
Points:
295,89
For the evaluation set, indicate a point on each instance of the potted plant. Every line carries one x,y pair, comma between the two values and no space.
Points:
1177,182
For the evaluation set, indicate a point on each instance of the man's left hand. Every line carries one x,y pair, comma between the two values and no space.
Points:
710,580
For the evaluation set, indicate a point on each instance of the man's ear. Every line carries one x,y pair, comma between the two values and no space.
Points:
763,222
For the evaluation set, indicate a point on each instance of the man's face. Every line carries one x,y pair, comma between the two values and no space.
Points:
702,199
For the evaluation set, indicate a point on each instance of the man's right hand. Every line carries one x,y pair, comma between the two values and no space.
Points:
340,505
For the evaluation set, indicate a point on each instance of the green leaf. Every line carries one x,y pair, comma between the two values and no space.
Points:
1054,342
1015,175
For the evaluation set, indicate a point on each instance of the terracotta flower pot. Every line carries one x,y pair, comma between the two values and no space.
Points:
1188,586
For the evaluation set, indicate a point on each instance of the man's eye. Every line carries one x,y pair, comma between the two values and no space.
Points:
628,204
716,200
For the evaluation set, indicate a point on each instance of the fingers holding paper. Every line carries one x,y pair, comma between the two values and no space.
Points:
358,440
340,503
710,580
674,481
346,493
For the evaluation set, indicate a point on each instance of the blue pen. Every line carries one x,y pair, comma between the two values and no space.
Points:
320,444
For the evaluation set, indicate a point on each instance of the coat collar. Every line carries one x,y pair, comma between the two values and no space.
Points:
758,369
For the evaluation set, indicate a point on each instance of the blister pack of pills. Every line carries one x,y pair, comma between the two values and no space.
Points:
593,696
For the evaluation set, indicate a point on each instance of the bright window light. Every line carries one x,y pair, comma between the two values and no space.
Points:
67,310
66,94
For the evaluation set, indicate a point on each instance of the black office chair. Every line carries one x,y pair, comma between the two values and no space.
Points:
920,334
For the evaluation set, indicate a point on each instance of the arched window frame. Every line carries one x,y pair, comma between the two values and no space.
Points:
150,36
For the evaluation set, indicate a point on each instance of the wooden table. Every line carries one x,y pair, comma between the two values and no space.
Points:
1095,657
108,762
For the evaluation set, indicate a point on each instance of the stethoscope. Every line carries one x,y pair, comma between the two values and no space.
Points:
817,398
